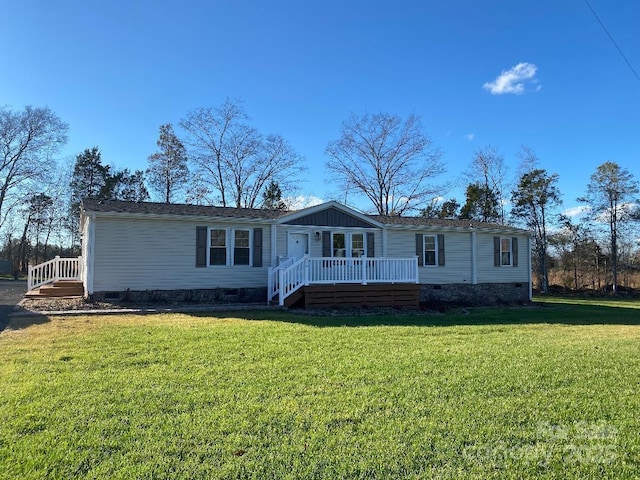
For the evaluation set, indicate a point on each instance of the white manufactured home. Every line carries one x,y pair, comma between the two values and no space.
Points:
321,255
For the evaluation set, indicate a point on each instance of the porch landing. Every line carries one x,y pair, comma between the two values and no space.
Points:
355,295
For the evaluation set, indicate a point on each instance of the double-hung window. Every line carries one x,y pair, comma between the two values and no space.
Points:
218,247
348,244
505,252
339,245
357,244
228,246
241,247
430,248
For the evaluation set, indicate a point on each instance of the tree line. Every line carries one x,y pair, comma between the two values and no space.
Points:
391,162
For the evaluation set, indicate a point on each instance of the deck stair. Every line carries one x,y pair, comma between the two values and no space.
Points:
59,288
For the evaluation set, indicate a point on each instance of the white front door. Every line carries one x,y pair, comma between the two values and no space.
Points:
298,245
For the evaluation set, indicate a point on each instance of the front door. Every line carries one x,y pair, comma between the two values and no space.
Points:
298,245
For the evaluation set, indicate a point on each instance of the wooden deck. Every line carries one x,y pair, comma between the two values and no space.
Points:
354,295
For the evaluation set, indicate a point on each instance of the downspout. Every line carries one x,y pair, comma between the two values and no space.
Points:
530,274
474,256
274,245
384,241
89,253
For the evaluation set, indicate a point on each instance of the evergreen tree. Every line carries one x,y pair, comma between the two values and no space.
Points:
536,194
168,172
272,197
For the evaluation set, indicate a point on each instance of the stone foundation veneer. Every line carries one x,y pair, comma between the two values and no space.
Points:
482,294
213,295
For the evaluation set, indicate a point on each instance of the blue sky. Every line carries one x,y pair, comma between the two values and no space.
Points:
115,71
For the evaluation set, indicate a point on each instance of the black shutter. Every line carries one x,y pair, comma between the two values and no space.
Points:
371,248
201,247
440,250
326,244
419,246
257,247
496,251
514,249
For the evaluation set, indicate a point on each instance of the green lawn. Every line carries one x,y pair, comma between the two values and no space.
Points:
546,391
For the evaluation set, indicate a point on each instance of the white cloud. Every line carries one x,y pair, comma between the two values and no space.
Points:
470,136
576,211
515,80
302,201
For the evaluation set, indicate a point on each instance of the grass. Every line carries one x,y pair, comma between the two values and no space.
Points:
549,391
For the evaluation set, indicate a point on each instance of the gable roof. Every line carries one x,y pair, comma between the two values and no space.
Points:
152,208
325,214
330,214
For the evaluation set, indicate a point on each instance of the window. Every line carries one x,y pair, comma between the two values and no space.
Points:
505,252
347,244
339,245
218,247
357,245
241,247
430,250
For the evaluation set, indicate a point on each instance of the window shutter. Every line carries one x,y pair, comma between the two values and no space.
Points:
257,247
514,251
371,249
496,251
440,250
419,246
326,244
201,247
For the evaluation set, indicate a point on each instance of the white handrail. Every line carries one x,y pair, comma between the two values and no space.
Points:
273,288
293,278
363,270
54,270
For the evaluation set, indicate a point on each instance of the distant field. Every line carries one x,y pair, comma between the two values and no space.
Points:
545,391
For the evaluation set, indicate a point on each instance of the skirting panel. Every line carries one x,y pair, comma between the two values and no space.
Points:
354,295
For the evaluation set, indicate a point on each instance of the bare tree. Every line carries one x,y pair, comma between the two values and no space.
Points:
488,172
28,139
234,159
208,132
168,172
611,194
387,160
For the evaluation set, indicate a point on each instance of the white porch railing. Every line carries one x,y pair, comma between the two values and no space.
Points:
54,270
332,270
274,278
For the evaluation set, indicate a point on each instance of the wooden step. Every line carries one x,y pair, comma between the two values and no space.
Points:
62,288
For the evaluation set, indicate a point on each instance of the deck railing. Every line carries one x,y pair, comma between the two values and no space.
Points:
274,277
334,270
54,270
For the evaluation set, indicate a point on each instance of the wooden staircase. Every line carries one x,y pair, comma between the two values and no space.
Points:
59,288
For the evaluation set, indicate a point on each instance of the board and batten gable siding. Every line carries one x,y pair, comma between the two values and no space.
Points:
488,272
155,254
331,217
457,257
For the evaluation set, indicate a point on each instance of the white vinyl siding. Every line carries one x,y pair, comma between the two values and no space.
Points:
457,268
156,254
458,247
489,273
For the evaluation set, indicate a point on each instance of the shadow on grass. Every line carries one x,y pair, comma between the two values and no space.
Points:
17,318
535,313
